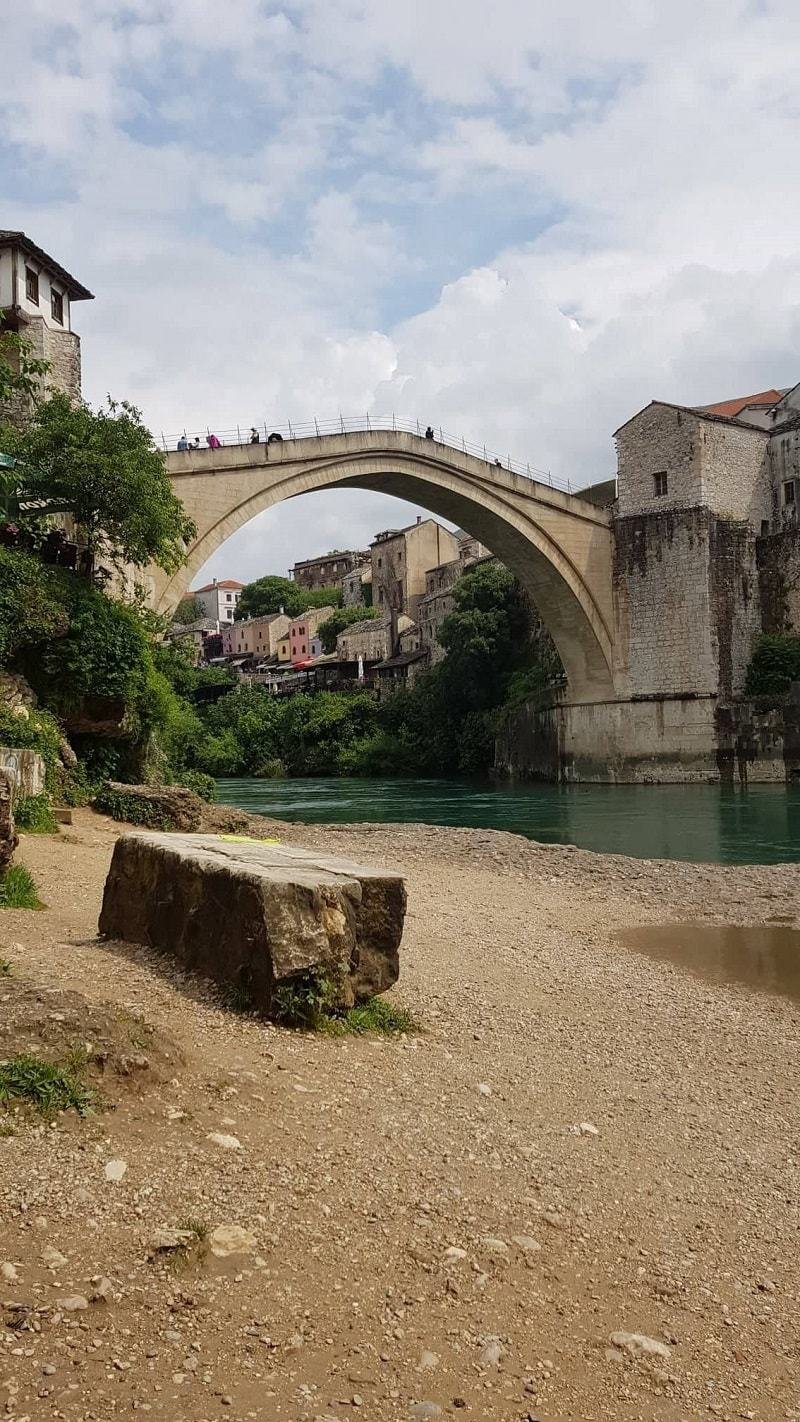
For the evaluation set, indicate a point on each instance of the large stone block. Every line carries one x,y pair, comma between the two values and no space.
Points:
26,768
256,915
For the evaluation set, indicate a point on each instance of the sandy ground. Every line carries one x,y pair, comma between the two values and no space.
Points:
432,1229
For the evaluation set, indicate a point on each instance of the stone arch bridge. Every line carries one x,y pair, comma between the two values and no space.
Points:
558,544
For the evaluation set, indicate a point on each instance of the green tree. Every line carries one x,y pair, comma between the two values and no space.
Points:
31,607
21,373
189,609
774,665
103,468
343,617
269,594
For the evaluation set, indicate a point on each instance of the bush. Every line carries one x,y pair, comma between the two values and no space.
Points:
38,731
202,784
34,814
132,809
774,665
18,889
31,611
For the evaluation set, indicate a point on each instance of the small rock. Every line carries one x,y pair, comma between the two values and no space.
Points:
766,1286
103,1291
494,1246
526,1243
225,1142
427,1360
9,1272
230,1239
73,1304
166,1239
638,1343
588,1128
484,1089
491,1352
422,1410
52,1258
115,1169
455,1253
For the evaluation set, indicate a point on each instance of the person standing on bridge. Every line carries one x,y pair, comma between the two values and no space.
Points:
255,437
183,442
212,441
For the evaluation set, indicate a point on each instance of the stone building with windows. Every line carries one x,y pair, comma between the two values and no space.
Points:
329,570
303,631
37,296
401,558
219,598
255,636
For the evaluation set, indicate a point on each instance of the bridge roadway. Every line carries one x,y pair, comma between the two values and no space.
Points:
558,544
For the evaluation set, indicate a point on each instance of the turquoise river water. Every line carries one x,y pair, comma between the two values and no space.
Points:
760,825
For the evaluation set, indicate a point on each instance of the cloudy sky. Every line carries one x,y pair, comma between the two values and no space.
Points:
518,220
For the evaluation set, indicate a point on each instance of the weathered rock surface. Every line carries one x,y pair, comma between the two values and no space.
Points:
8,834
257,915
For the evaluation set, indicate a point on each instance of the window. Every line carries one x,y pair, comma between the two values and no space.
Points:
789,492
380,564
32,286
228,597
302,649
57,306
660,485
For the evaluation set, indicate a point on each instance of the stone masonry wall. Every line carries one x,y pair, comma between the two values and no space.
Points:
778,562
662,603
686,603
63,350
660,439
735,471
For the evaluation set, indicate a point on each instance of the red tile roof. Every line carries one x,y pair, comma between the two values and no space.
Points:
222,583
732,408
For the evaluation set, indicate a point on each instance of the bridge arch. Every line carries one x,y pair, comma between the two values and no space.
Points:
558,544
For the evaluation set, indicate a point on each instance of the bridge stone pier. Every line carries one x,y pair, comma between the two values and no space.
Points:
558,544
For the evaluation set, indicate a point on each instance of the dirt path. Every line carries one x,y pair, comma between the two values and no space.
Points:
432,1227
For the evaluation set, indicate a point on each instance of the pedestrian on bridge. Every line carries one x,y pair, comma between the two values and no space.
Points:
255,437
212,441
429,432
183,442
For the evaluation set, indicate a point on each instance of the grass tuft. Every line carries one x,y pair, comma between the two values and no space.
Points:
18,889
34,815
5,968
377,1014
47,1087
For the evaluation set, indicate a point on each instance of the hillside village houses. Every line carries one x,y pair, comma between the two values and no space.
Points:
407,574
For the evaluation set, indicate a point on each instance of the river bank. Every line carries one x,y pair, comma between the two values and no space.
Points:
580,1142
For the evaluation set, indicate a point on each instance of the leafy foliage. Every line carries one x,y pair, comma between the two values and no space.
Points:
189,609
31,610
270,594
38,731
103,468
774,665
132,809
343,617
34,814
18,889
47,1087
202,784
21,373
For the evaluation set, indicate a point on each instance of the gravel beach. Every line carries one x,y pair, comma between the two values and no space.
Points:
573,1194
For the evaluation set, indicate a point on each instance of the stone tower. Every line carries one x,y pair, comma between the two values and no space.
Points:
36,299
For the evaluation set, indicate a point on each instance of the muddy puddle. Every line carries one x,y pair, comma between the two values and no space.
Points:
765,956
